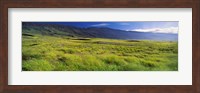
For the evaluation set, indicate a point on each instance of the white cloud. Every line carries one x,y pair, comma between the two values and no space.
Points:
173,30
102,24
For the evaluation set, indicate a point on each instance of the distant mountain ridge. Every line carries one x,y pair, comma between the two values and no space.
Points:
93,32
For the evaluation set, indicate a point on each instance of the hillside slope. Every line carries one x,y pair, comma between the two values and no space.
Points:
92,32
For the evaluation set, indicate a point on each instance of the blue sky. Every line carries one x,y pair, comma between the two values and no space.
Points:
148,26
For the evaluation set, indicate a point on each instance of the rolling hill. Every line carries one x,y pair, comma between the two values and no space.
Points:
92,32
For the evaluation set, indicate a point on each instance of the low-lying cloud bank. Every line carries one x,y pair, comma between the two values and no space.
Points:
172,30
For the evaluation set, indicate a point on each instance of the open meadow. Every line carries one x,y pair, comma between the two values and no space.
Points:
62,53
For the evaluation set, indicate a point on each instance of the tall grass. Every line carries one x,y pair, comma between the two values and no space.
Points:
50,53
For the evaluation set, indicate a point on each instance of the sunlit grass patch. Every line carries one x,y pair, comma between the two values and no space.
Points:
37,65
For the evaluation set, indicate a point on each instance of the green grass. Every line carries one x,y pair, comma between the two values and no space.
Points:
54,53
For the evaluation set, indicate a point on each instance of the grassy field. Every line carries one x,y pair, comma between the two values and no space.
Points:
51,53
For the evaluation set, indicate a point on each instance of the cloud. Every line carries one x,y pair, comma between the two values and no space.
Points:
102,24
124,23
172,30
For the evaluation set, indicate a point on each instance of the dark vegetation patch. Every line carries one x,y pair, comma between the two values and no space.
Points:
27,56
81,39
133,40
33,44
25,34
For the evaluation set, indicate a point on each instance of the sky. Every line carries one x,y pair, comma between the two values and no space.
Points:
144,26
